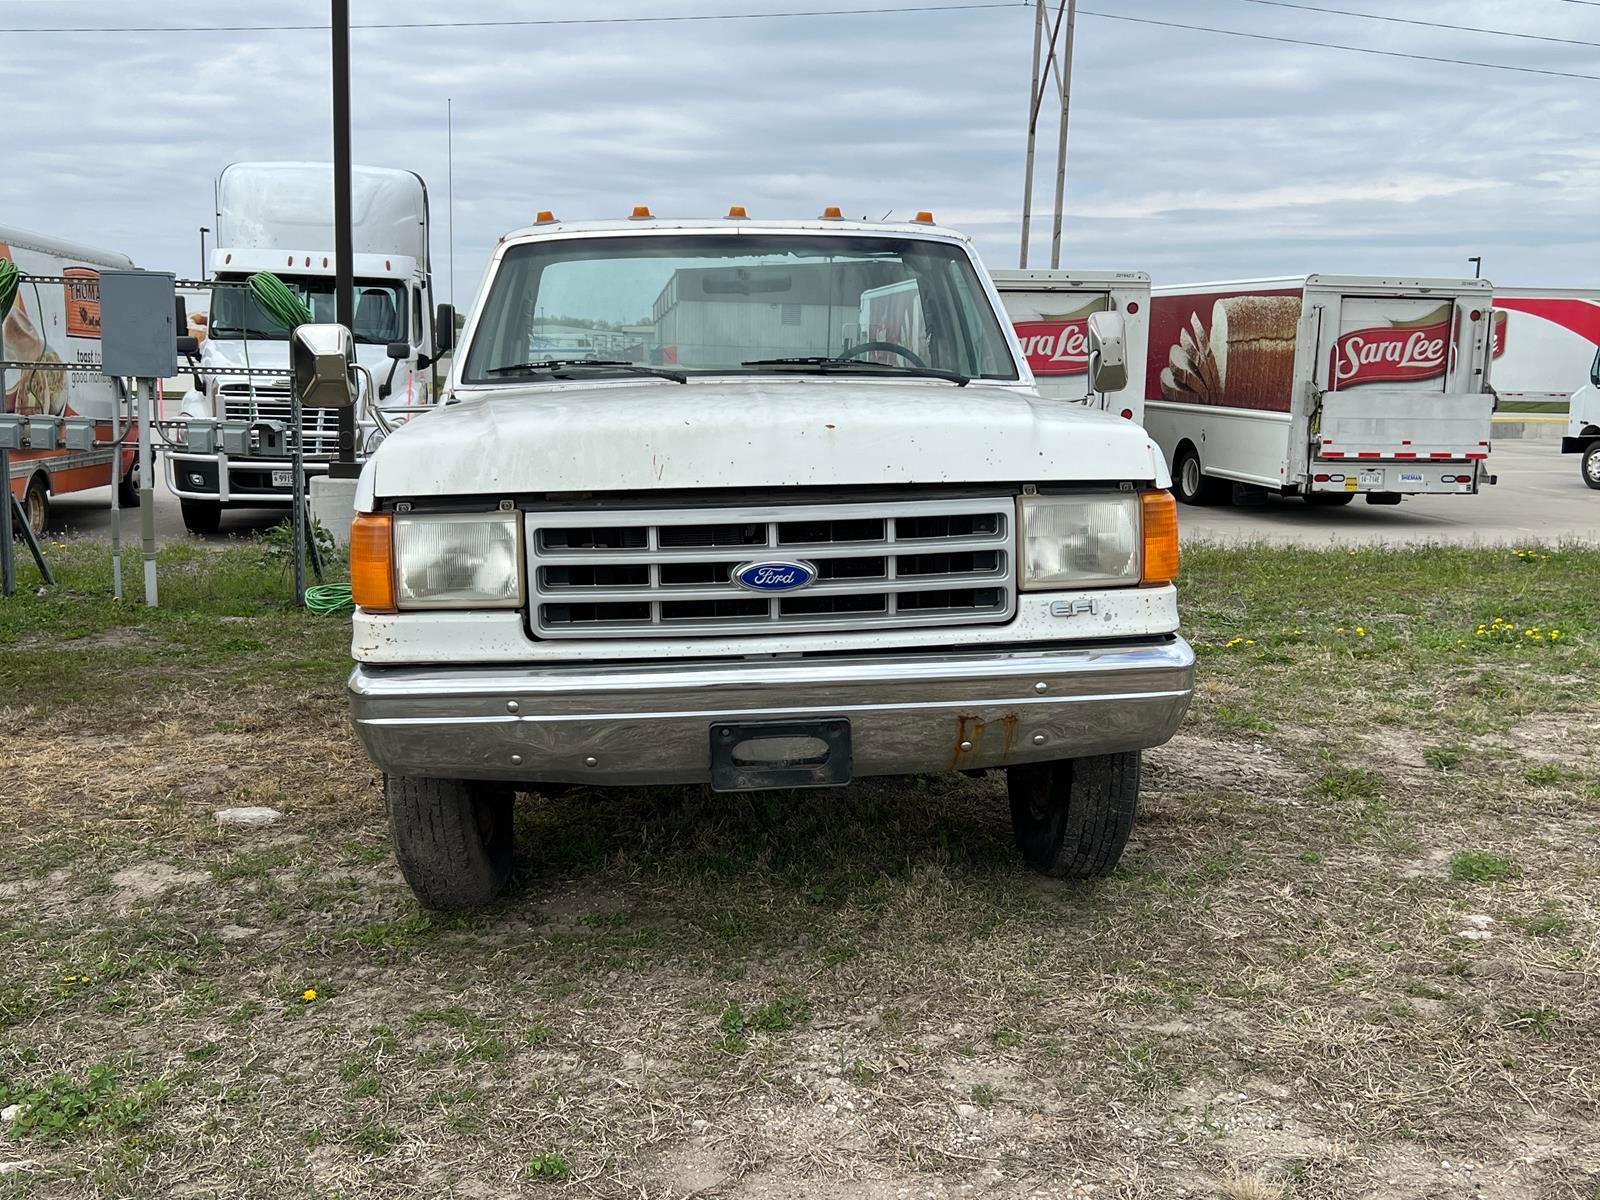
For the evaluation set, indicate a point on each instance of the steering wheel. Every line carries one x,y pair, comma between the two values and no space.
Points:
890,347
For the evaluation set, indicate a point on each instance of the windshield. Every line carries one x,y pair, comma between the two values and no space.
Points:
380,310
718,303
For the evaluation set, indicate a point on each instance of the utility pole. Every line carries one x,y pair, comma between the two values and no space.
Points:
343,242
1049,59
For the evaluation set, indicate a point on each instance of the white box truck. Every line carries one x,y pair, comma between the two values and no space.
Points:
1583,426
1545,342
60,323
1050,311
278,217
1322,386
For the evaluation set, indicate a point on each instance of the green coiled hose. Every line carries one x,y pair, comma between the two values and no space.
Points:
9,279
275,296
330,599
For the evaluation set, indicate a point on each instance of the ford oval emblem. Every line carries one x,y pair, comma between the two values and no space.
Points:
774,576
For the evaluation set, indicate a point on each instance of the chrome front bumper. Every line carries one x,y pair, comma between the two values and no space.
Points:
651,723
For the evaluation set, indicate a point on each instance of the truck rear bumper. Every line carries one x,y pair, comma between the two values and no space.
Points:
647,723
1406,476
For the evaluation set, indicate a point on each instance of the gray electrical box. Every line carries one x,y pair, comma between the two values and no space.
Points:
200,436
77,433
235,438
11,428
44,433
138,324
272,438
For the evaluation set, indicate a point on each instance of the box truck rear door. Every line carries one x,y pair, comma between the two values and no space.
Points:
1050,311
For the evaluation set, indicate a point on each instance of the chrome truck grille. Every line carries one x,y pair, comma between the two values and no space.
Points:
319,426
670,572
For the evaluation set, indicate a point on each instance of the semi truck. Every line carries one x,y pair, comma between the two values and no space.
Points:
277,217
1324,387
60,323
1050,311
771,545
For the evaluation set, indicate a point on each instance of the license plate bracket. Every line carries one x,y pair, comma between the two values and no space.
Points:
283,479
751,756
1373,479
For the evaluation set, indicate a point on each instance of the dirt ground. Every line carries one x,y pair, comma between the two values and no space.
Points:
1351,951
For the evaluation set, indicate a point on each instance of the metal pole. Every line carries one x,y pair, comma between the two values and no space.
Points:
8,554
1033,130
450,191
147,487
118,393
1477,266
1064,75
298,487
343,239
203,231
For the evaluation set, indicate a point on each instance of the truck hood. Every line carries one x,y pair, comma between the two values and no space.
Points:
274,356
763,433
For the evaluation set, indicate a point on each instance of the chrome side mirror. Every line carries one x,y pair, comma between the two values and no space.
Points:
1108,352
321,358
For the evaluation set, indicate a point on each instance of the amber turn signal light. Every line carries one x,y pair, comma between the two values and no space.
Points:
372,562
1160,513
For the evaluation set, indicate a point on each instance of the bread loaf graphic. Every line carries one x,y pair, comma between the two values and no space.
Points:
1245,359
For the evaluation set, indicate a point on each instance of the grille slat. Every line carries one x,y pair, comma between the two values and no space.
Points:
665,572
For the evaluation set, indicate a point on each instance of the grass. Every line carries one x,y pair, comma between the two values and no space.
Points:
819,982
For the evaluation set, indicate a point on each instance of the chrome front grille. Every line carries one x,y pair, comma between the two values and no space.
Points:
669,572
320,426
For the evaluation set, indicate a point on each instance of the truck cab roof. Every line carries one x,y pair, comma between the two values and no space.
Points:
816,225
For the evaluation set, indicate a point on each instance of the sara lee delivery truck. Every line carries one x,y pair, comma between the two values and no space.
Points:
1545,342
1050,311
60,323
278,217
1322,386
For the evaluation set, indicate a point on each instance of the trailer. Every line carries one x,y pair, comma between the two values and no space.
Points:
1545,341
1050,311
1322,386
60,323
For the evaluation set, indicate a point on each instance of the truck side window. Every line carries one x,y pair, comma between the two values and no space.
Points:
416,316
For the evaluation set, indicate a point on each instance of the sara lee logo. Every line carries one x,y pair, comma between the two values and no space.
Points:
1391,355
774,576
1056,347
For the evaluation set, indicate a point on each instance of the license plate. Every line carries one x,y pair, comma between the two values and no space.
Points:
1410,479
753,755
283,479
1372,479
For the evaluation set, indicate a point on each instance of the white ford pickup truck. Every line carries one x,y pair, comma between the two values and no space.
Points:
758,505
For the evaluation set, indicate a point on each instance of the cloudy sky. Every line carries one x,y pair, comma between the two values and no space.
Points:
1194,155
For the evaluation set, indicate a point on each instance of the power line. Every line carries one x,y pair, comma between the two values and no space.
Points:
1267,37
318,28
1346,12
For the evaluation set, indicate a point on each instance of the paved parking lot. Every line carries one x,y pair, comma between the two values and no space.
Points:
1539,497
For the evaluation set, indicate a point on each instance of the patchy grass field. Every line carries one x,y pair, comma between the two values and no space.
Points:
1352,950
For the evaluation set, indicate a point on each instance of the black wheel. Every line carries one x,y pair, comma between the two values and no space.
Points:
1328,499
1189,483
453,838
36,505
1072,819
203,517
128,489
1589,465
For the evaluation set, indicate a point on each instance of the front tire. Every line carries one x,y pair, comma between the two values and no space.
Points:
202,517
128,489
1589,465
453,838
1072,819
36,505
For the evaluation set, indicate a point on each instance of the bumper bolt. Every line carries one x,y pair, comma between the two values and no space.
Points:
512,706
516,760
1038,739
965,746
591,762
1041,686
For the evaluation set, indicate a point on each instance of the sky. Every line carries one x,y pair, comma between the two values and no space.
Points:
1192,155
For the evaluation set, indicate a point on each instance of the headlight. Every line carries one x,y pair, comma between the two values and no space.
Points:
1091,540
467,560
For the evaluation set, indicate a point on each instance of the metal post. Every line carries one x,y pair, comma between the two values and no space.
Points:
450,192
298,488
343,239
147,487
8,554
1033,130
1477,266
203,231
1064,76
118,393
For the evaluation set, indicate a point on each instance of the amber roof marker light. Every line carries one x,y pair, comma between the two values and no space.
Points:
641,212
832,213
736,212
545,217
924,218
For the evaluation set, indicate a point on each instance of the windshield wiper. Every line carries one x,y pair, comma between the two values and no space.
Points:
561,368
823,364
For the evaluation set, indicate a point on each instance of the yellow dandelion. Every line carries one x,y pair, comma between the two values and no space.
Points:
1360,632
309,995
